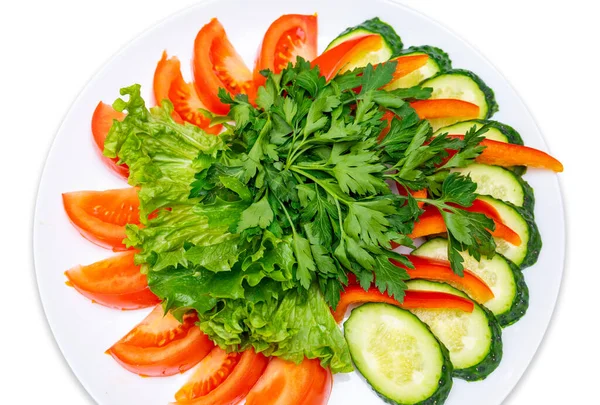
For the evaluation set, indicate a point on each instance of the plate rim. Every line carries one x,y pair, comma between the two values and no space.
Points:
560,202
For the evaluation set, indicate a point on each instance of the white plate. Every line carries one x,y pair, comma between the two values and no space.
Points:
84,331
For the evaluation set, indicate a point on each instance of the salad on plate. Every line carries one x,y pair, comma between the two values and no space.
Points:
321,213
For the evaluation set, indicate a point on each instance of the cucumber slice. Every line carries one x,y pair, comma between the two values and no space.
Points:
496,130
474,340
398,355
438,62
505,279
522,222
372,26
501,184
463,85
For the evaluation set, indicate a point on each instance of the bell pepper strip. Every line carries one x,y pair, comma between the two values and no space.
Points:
508,155
439,270
483,208
432,223
436,108
407,64
445,108
337,59
355,294
416,194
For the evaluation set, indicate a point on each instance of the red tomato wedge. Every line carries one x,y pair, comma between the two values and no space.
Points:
355,294
101,216
235,387
432,223
210,373
115,282
162,346
166,71
339,58
102,120
287,383
508,154
187,104
438,270
217,65
289,36
445,108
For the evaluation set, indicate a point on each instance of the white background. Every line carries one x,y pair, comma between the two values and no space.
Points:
547,50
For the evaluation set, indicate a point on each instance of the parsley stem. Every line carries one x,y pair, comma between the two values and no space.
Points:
287,215
314,167
323,185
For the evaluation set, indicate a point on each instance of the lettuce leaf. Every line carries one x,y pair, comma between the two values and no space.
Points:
162,155
292,325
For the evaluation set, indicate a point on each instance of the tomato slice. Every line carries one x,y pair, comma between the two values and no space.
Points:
217,65
166,71
162,346
187,104
354,294
287,383
102,120
237,385
289,36
115,282
210,373
101,216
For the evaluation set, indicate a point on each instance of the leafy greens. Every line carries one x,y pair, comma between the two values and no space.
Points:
257,229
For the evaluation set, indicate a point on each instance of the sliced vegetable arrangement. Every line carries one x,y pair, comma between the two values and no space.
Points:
266,203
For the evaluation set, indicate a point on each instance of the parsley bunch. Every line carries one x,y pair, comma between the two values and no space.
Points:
307,160
257,229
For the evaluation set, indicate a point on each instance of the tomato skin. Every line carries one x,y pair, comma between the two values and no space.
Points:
186,104
235,388
101,216
102,120
174,349
287,383
115,282
210,373
216,64
288,37
166,71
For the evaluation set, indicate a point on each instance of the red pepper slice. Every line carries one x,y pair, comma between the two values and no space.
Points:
445,108
432,222
508,154
440,270
335,60
436,108
412,300
407,64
